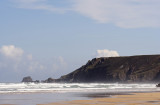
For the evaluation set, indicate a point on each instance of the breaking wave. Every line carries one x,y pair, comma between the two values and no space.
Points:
73,87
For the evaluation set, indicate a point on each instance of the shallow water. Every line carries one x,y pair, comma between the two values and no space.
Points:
37,98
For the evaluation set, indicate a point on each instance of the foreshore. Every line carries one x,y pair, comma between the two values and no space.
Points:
151,98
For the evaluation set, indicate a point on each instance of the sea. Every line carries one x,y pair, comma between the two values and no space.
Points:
43,93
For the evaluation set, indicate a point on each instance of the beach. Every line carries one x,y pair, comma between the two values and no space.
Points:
149,98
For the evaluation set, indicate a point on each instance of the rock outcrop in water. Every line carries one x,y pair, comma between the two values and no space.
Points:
27,79
158,85
145,68
49,80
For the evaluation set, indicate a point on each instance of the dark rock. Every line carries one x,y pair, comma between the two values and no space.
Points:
158,85
27,79
49,80
36,81
145,68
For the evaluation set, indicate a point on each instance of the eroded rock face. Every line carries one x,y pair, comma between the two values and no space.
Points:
27,79
145,68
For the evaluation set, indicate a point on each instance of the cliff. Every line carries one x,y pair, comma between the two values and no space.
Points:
145,68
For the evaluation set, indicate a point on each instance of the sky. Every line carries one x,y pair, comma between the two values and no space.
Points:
50,38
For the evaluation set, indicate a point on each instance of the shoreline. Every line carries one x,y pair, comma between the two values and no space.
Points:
144,98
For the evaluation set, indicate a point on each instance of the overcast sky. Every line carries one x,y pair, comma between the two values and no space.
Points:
49,38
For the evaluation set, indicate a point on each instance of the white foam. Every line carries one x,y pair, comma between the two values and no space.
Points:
73,87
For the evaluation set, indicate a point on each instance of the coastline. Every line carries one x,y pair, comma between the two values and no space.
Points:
149,98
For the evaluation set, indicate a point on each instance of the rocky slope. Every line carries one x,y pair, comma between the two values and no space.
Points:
145,68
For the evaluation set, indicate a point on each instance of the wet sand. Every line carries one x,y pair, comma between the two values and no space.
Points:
6,104
152,98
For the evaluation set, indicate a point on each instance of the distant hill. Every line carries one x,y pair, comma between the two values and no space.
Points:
144,68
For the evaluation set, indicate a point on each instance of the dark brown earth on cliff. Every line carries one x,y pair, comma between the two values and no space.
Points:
144,68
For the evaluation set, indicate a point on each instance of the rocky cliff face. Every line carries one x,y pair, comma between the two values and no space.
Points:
144,68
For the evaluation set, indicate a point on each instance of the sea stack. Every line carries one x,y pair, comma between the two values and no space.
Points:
27,79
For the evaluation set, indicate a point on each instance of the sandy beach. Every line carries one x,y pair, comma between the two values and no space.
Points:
133,99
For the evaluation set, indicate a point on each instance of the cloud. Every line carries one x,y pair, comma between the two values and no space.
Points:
106,53
11,51
37,5
15,62
122,13
35,66
59,63
14,58
29,57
